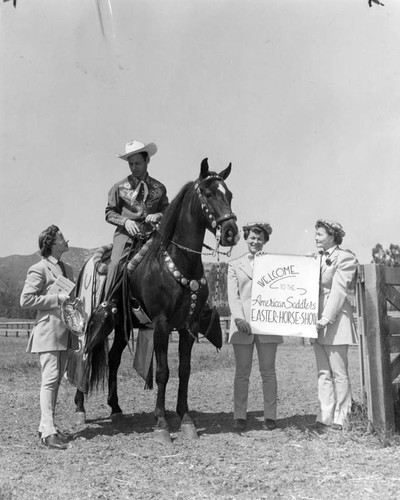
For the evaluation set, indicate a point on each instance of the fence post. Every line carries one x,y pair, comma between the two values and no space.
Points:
380,405
362,347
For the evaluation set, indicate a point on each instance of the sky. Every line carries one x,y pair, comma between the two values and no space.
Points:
302,97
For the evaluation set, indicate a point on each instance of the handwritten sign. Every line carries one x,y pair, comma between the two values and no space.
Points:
284,299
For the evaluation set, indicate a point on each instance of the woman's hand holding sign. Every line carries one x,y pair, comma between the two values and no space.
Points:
321,324
243,326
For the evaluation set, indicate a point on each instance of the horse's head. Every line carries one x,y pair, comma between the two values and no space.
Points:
101,324
216,200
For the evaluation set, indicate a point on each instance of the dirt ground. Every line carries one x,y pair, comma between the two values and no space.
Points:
120,460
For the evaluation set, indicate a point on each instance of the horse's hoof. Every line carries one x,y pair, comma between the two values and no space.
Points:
80,418
162,436
117,416
189,431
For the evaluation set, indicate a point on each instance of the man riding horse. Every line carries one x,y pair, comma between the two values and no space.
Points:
135,204
166,278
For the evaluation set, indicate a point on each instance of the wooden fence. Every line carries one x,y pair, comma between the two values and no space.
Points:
24,328
379,331
13,328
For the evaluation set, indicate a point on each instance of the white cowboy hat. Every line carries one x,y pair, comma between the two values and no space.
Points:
134,147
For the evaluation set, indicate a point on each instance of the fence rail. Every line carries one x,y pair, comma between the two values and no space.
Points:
17,328
24,328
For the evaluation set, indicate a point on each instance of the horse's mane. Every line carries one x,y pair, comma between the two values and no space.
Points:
171,215
168,223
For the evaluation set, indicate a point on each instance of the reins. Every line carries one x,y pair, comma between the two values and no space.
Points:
214,251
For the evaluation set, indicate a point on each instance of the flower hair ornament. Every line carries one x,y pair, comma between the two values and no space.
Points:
262,226
331,226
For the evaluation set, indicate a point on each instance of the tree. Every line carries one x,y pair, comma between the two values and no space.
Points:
389,257
10,292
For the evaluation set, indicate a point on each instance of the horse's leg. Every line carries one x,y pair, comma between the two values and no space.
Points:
186,342
161,338
114,360
80,413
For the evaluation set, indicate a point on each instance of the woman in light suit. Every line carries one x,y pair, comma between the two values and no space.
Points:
50,338
335,326
240,276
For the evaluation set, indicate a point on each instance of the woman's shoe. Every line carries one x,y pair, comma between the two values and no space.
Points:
239,424
270,424
320,427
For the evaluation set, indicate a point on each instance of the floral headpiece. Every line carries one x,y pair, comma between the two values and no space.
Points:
331,226
263,226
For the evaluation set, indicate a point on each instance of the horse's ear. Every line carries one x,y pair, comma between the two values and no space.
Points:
204,169
224,174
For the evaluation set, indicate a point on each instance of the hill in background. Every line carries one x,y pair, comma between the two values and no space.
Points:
13,271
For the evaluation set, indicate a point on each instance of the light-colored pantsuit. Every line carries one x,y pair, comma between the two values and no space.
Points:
334,391
240,275
50,338
331,348
52,365
266,361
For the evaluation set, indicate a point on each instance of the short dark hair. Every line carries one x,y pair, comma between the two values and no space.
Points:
337,237
256,230
47,239
145,155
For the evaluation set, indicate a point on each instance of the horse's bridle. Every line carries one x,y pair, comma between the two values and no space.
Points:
211,219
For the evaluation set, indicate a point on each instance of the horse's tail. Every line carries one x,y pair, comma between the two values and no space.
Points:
96,366
101,324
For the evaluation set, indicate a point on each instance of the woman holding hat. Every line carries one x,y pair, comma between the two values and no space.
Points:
335,326
240,275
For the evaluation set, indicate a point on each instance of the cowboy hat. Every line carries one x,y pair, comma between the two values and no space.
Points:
134,147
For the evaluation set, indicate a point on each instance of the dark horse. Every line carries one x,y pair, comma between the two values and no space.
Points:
170,285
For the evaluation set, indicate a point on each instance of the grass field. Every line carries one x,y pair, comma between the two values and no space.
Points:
112,460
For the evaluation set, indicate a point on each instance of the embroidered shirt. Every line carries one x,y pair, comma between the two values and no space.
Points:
128,199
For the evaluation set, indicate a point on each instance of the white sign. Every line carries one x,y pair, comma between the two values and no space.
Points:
284,299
